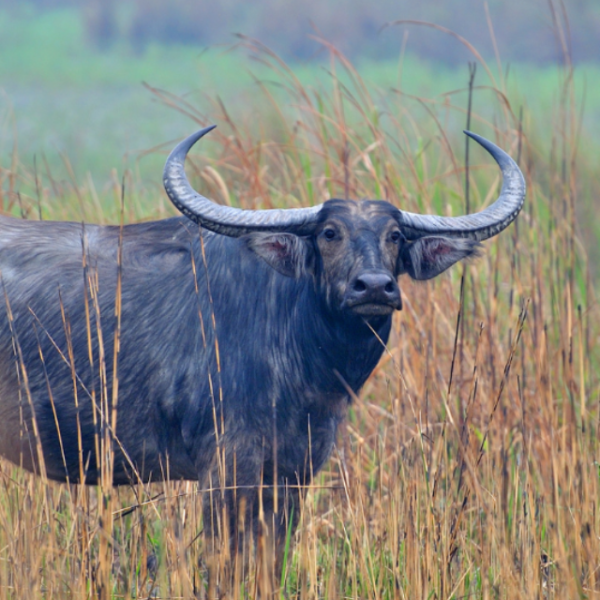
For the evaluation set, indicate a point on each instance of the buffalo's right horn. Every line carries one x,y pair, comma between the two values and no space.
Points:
227,220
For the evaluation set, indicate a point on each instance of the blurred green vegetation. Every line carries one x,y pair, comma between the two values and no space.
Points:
531,30
63,99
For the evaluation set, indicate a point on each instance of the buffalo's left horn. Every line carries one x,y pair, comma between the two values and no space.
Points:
482,225
227,220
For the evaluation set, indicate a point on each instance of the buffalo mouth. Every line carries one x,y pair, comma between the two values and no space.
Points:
373,309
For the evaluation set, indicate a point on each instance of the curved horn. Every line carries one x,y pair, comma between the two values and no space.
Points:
227,220
481,225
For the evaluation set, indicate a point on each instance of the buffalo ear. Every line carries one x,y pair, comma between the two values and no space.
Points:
287,253
429,256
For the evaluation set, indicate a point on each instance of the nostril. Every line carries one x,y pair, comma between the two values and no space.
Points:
359,286
389,288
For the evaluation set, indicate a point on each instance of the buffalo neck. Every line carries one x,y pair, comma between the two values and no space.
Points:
348,346
277,336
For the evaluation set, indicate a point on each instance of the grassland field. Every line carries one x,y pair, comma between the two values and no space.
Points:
469,466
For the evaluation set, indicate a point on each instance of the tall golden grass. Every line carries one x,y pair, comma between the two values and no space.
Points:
468,467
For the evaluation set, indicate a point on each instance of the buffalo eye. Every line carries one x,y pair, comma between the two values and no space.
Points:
395,237
329,234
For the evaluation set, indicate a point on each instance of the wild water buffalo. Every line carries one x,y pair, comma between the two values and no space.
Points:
241,334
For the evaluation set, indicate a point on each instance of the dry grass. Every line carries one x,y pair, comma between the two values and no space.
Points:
468,466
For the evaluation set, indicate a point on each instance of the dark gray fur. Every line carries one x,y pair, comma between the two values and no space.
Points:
292,338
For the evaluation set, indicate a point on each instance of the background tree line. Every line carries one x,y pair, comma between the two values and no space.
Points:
525,30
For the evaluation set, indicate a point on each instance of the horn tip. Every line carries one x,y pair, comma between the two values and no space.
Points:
180,151
192,139
496,152
201,133
472,135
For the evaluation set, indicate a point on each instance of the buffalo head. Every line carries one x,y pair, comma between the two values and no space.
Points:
355,251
